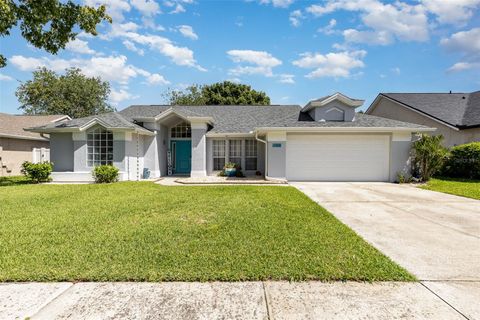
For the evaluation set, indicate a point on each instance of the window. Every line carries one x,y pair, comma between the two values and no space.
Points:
250,155
99,147
218,154
181,130
235,152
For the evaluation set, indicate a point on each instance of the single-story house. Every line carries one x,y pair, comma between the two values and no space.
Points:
18,145
324,140
455,115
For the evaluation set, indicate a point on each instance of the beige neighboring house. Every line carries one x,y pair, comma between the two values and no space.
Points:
455,115
18,145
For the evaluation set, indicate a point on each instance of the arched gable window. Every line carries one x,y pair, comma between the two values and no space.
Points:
99,147
181,130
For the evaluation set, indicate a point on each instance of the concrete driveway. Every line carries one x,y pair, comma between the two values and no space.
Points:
433,235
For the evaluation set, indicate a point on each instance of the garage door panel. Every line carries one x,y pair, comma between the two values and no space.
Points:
338,157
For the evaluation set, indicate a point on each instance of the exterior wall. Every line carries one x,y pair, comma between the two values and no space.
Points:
162,145
400,155
61,153
392,110
260,155
199,150
134,160
277,155
151,154
13,152
319,113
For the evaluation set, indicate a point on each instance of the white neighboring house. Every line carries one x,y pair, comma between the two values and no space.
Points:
326,140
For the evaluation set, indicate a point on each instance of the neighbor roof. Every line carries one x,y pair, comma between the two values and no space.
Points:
461,110
11,126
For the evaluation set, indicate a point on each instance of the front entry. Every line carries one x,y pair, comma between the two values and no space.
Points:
181,156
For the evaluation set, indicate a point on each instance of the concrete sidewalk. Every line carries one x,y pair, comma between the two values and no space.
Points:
227,300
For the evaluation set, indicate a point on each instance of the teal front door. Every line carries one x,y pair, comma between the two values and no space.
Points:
181,156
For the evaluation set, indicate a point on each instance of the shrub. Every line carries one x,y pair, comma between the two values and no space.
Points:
37,172
428,156
105,174
464,161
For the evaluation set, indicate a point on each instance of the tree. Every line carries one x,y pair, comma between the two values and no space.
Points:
72,94
48,24
429,155
220,93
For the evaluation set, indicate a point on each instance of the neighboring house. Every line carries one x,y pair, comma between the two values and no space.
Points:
18,145
455,115
325,140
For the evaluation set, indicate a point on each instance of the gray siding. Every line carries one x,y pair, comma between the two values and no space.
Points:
325,112
199,151
162,144
61,151
400,160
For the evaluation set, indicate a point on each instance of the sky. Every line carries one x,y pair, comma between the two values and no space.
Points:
295,51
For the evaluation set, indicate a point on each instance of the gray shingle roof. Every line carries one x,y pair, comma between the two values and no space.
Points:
238,119
461,110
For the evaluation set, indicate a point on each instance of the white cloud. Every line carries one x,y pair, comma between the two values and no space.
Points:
370,37
112,68
156,78
115,8
146,7
4,77
287,78
150,23
132,47
398,20
396,70
117,96
261,62
278,3
333,64
330,28
179,8
295,18
79,46
452,11
187,31
466,43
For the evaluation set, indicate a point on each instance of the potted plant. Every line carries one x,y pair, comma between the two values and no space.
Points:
230,169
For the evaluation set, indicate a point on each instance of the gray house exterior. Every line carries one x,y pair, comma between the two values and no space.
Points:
455,115
325,141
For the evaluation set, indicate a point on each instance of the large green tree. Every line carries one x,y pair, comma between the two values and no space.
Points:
220,93
48,24
72,94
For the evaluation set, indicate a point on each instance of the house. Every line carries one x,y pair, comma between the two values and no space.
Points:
324,140
455,115
18,145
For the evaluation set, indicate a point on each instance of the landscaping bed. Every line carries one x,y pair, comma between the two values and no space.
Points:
141,231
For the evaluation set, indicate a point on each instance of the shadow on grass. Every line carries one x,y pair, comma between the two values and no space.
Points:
14,181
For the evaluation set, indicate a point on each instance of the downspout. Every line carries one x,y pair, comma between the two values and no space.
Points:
266,152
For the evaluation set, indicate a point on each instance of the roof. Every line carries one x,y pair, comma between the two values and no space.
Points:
12,126
461,110
336,96
232,119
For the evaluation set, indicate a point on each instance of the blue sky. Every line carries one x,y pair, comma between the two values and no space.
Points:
293,50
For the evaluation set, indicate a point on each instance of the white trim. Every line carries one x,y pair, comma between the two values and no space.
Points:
337,96
230,135
61,118
344,129
377,100
402,136
277,136
13,136
198,125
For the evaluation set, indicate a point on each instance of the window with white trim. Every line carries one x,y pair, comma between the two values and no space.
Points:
218,154
99,147
235,151
250,154
181,130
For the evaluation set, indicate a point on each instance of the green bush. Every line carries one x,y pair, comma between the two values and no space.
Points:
105,174
464,161
37,172
429,156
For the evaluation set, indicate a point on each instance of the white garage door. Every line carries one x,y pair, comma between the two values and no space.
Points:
324,157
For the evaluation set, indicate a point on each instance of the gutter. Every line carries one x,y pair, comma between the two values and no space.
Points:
266,152
345,129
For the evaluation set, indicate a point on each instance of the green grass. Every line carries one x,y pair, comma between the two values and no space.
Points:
13,181
460,187
140,231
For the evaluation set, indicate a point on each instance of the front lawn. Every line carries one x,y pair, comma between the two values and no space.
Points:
140,231
460,187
